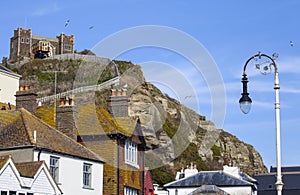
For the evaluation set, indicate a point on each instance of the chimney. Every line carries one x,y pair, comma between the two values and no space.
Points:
66,117
26,98
118,103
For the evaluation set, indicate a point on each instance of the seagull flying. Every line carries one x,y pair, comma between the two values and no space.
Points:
291,43
91,27
188,96
67,23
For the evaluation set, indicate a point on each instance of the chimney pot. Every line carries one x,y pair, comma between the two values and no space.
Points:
67,101
118,92
113,92
21,88
62,102
124,92
26,87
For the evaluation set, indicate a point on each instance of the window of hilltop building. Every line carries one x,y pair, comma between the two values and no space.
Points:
27,40
22,40
87,175
131,153
68,47
130,191
54,167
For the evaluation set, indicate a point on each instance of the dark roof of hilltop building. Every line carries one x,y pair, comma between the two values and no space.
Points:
17,130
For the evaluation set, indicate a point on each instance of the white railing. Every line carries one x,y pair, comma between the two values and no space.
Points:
91,88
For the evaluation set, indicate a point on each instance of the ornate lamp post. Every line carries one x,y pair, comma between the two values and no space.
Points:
265,64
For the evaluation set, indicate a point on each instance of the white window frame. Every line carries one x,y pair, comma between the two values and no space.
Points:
87,175
22,39
27,41
54,168
131,153
130,191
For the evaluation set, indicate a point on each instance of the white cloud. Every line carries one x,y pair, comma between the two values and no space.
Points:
47,9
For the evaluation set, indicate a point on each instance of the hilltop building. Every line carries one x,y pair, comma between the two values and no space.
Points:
25,45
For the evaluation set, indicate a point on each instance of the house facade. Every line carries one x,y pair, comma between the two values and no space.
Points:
113,135
9,85
24,45
119,140
26,178
75,169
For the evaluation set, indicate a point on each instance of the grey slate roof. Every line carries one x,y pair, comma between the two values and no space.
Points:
286,169
266,182
208,189
218,178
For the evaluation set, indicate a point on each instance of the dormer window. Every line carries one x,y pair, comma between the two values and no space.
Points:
131,153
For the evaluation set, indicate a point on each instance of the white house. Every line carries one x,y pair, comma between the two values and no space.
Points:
9,85
75,169
26,178
228,181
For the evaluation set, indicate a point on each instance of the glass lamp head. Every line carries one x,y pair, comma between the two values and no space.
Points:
245,103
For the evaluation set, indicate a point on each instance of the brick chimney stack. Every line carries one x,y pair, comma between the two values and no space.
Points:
118,103
66,117
26,98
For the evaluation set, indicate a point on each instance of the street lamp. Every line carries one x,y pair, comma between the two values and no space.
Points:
265,64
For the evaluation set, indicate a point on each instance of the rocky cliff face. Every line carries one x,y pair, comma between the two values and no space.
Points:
175,135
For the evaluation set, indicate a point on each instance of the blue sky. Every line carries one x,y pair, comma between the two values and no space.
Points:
230,31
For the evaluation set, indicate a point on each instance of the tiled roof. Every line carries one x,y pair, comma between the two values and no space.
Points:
94,120
3,160
218,178
29,169
17,130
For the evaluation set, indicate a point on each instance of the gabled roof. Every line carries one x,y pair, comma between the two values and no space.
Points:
9,72
17,130
27,173
218,178
208,189
29,169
